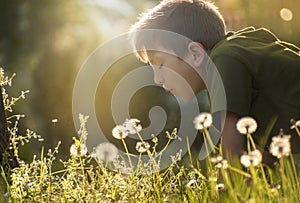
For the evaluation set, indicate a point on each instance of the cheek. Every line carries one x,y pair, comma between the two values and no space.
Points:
186,71
178,70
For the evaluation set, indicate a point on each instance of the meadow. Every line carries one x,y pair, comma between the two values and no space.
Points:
105,176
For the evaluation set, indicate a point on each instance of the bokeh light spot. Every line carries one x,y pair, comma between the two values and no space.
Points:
286,14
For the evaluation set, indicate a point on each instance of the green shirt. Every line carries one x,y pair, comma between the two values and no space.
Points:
261,77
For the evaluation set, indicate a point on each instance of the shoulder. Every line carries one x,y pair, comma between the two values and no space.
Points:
243,41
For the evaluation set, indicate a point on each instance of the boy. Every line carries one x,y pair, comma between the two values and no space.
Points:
259,72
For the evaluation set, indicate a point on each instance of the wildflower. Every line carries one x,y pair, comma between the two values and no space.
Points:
105,152
275,189
120,132
216,159
177,157
173,135
78,149
222,164
246,125
254,158
155,140
191,183
132,125
203,121
142,146
280,146
220,186
172,185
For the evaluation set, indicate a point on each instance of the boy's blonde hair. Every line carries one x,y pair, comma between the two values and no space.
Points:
197,20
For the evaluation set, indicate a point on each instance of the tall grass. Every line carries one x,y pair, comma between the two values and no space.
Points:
106,177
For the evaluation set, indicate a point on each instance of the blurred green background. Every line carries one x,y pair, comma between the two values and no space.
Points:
46,42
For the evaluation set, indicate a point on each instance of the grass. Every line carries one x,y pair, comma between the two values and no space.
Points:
103,177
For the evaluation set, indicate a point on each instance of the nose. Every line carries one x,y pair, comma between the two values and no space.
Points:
158,77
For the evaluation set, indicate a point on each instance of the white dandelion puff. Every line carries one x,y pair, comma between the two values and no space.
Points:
280,146
203,121
78,150
105,152
142,146
254,158
132,125
120,132
246,125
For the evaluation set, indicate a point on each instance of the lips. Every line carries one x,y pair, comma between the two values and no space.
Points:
170,91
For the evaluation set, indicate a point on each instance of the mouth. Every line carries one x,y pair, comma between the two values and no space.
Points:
169,91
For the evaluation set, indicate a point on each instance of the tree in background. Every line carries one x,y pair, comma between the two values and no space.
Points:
45,43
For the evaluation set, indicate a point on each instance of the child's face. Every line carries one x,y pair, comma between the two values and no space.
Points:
175,75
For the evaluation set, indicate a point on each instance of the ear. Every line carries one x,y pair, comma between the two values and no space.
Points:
197,52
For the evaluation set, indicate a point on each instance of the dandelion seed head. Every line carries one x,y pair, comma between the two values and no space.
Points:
246,125
78,150
254,158
295,123
119,132
203,121
142,147
132,125
105,152
280,146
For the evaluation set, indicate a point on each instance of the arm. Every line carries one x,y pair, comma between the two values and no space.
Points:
233,143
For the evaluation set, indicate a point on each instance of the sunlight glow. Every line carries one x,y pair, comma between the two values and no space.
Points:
108,15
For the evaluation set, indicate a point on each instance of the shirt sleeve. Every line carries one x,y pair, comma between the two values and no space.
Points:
237,82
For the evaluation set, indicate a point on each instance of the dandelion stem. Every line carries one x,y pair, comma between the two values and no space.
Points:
294,169
189,150
139,135
127,152
209,140
239,171
165,147
297,130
